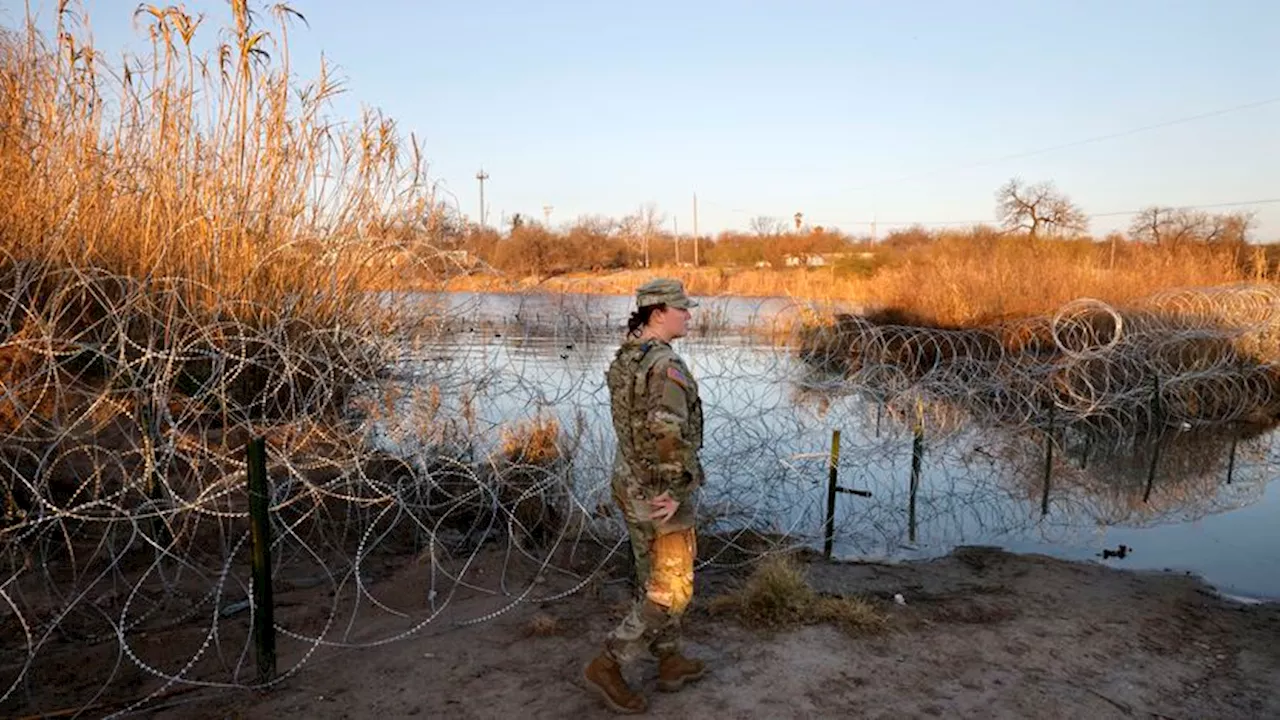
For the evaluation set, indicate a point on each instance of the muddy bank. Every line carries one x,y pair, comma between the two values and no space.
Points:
983,633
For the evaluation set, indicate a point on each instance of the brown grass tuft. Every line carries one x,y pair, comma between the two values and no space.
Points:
528,480
536,441
778,596
542,625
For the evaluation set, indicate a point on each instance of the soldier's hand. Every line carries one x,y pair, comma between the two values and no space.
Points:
663,507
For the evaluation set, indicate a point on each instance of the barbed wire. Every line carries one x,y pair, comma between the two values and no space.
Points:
474,455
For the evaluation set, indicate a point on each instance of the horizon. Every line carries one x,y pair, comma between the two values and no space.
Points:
850,113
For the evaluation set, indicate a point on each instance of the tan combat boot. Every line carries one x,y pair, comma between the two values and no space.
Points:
605,677
675,670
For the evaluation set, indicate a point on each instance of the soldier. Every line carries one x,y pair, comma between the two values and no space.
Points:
657,417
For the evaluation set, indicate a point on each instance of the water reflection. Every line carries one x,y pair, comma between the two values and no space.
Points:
768,432
1188,476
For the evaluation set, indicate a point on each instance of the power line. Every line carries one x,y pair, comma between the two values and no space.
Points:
1210,206
1083,141
1052,148
1114,213
1047,149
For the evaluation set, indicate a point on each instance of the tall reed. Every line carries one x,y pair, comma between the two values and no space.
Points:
216,167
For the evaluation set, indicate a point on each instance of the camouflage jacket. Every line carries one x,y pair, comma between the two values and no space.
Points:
657,416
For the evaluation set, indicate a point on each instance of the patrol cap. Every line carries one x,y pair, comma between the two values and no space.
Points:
663,291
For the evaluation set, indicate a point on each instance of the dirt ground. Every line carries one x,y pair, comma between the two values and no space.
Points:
983,633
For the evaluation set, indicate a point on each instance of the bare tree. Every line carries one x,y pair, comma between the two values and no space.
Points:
443,226
596,242
596,224
1168,226
1177,226
764,226
1040,210
639,228
1231,228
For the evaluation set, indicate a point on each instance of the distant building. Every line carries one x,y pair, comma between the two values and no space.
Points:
805,260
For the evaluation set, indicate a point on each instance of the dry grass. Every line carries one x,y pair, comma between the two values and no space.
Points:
778,596
961,279
216,168
971,281
529,481
536,441
698,281
181,194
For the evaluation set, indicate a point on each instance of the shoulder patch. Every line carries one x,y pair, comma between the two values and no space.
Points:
674,374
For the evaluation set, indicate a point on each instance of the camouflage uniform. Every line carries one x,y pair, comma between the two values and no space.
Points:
657,416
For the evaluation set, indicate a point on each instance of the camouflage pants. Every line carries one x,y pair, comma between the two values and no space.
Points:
663,582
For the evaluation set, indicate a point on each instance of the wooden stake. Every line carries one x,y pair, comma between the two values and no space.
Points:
833,470
1231,462
917,459
1157,422
264,629
1048,463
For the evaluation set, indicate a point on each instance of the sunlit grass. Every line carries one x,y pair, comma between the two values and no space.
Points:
217,168
961,279
778,596
207,200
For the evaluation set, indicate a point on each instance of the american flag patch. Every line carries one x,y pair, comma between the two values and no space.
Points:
675,374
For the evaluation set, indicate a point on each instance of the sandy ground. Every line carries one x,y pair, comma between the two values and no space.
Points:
983,633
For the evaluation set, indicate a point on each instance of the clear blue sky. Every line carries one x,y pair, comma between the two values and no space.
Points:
840,109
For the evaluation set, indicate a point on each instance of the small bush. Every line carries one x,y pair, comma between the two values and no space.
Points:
778,596
533,442
529,482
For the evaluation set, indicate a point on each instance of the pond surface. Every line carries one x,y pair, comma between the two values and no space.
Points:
1208,508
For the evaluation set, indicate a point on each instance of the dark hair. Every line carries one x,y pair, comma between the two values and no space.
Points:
640,318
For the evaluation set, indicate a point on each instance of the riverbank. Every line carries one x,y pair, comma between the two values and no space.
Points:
955,281
982,633
707,281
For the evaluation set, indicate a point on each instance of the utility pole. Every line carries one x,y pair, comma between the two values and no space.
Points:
546,215
695,229
675,235
482,176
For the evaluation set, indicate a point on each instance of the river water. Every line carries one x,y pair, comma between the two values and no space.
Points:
1211,508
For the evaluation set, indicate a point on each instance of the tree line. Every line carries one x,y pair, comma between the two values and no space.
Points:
527,246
